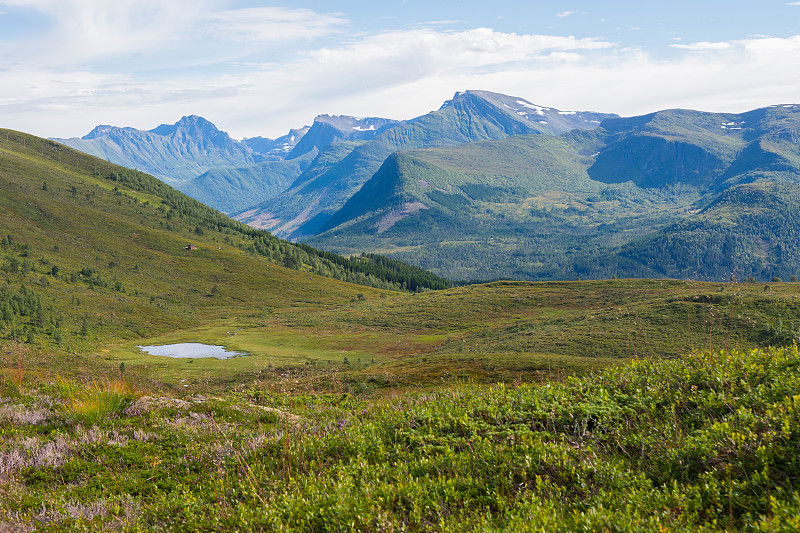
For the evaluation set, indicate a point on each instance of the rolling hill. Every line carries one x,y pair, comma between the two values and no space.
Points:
78,228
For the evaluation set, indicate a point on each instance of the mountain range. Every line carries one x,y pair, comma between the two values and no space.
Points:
651,196
224,173
492,186
305,207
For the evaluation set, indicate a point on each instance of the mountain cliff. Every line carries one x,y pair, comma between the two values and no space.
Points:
472,116
174,153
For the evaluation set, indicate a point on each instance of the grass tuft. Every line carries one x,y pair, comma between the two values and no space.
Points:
14,376
11,381
92,403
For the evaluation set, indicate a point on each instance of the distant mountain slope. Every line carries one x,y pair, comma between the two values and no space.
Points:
473,116
174,153
668,148
522,207
231,190
543,119
455,178
257,217
276,149
210,166
750,230
542,207
329,129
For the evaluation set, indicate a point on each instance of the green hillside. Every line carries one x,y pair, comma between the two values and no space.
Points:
454,177
470,117
748,231
581,205
518,208
108,260
232,190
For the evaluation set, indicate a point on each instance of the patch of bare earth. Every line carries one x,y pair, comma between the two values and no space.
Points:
397,214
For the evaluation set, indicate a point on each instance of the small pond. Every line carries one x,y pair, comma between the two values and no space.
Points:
190,350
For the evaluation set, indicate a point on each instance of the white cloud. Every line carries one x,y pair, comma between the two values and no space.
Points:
746,75
398,74
442,22
271,24
86,30
703,46
565,14
793,3
472,48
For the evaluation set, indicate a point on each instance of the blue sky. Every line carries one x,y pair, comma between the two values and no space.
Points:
260,68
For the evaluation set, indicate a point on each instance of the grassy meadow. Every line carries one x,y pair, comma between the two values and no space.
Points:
613,405
705,442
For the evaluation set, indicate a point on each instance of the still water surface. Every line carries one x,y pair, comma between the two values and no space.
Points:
190,350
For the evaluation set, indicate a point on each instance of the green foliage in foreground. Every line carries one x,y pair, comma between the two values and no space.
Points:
707,442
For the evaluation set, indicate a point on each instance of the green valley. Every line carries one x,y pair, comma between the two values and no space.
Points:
394,403
636,197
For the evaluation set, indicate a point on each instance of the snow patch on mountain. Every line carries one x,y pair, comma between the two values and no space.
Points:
539,110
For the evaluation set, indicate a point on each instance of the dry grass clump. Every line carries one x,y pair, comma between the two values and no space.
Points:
13,376
96,401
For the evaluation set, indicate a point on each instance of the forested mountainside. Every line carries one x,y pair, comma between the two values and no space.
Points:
615,201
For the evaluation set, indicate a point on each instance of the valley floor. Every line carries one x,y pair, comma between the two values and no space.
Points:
623,405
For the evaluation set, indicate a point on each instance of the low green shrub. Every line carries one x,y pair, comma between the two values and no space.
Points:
705,442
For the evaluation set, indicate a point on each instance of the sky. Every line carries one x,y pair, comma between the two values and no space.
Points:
257,68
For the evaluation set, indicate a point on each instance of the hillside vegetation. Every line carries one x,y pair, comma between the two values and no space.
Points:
624,405
707,442
42,173
667,194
